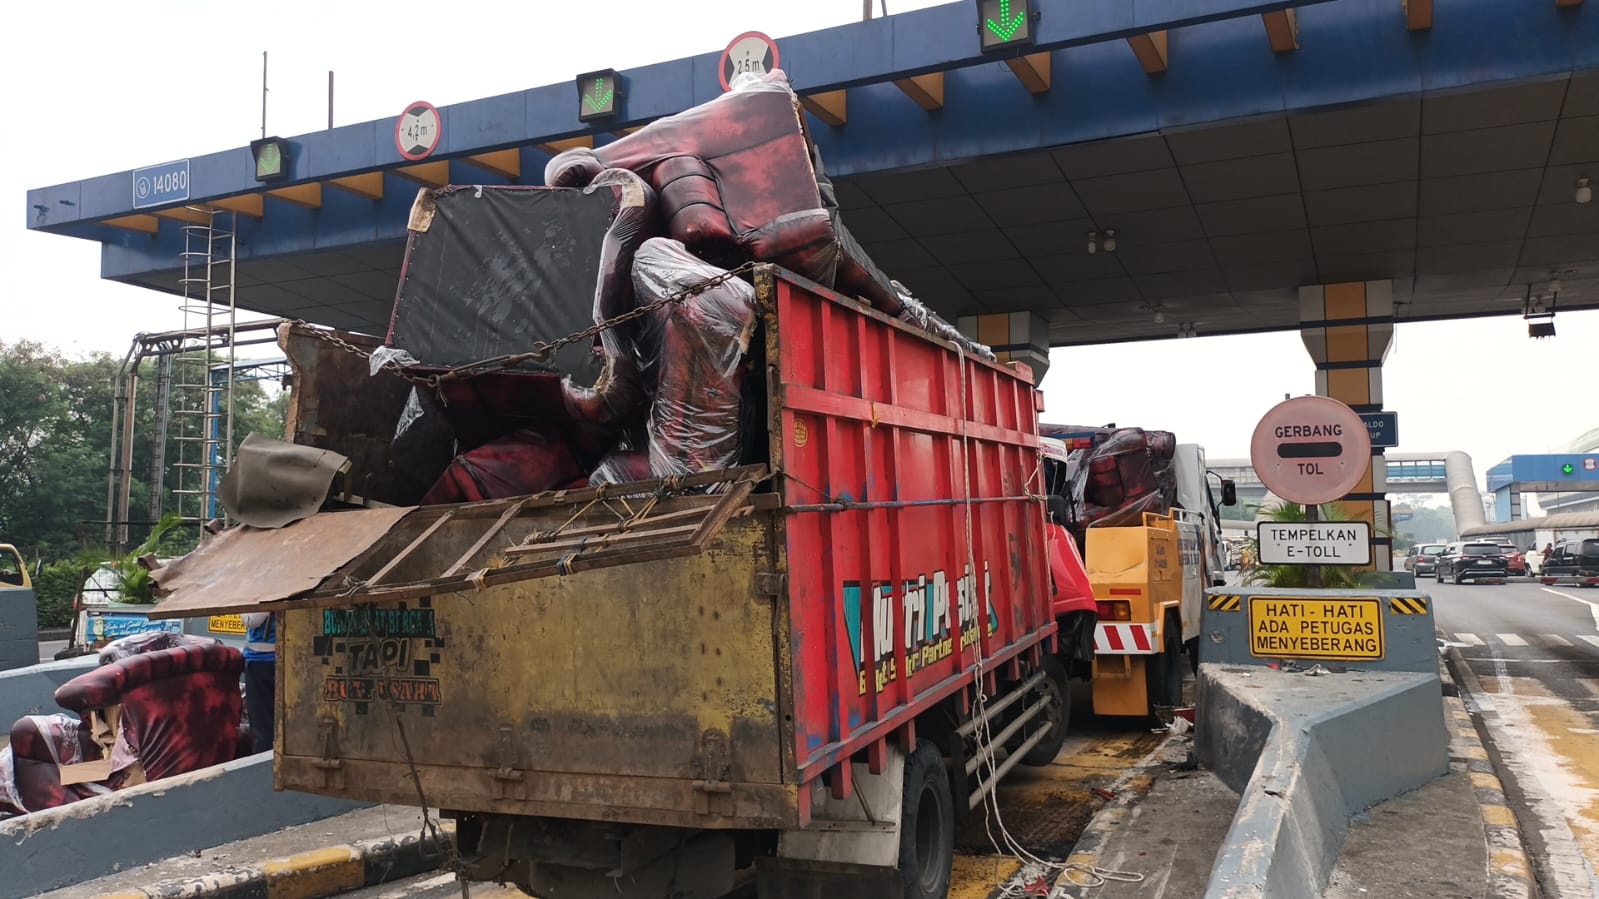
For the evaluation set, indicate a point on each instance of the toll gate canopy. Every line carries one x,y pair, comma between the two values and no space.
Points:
1230,152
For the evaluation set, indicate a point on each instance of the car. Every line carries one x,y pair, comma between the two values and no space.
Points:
1473,560
1515,562
1572,561
1423,558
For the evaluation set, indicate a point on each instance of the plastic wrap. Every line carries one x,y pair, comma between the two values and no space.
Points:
621,466
391,357
915,312
30,766
694,423
522,462
739,180
618,395
150,641
1126,474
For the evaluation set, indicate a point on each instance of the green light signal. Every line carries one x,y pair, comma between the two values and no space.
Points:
597,95
270,161
1007,26
601,98
1003,24
1568,468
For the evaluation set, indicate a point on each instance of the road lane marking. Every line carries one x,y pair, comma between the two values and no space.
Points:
1556,639
1589,638
1511,639
1593,607
1470,639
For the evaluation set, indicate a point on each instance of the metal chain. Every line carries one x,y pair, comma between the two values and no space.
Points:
542,351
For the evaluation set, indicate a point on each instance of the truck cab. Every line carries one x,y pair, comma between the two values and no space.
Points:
19,612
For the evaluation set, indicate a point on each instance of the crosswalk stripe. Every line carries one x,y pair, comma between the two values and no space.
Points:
1589,638
1511,639
1556,639
1469,639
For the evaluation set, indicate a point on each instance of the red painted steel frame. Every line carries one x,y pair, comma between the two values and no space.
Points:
893,473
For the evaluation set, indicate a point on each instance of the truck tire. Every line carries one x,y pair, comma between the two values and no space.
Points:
1164,676
1058,714
926,825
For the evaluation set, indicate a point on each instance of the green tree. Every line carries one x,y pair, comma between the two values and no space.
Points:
56,417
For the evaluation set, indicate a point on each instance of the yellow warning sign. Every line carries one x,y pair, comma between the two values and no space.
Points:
226,624
1304,627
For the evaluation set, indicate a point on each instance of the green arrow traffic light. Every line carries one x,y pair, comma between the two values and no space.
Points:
1567,468
1004,23
1008,25
596,95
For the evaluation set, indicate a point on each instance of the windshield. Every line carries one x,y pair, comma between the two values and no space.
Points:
1480,549
1435,550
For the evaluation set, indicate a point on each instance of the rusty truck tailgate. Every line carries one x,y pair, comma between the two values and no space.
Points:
531,697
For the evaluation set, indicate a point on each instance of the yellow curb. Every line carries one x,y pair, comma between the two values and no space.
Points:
1475,752
1499,815
1486,781
310,875
1509,861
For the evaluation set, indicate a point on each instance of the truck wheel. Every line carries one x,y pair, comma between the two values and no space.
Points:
1164,674
1054,685
926,825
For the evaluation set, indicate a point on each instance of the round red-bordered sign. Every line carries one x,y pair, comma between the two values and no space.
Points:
1310,450
751,51
418,129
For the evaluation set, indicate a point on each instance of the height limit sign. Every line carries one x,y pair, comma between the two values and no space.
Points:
1310,450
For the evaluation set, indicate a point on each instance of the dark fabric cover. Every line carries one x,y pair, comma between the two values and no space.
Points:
496,269
180,707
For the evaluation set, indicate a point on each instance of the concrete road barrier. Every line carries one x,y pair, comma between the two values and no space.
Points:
1305,752
32,690
233,801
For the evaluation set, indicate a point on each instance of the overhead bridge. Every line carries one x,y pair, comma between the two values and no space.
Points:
1449,472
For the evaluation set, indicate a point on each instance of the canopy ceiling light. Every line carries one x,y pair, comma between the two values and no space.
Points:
1584,192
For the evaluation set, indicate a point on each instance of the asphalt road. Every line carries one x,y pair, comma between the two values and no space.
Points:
1044,809
1534,652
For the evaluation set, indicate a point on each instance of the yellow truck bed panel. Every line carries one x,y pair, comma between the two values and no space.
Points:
673,681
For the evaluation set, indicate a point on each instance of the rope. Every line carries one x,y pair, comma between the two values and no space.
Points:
1042,869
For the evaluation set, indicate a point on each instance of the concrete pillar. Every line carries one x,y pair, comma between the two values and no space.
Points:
1013,336
1348,329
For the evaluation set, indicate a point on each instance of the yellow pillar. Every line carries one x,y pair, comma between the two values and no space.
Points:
1013,336
1348,329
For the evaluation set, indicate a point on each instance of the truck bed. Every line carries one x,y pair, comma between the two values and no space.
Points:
891,546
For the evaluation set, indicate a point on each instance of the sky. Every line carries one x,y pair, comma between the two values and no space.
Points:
101,87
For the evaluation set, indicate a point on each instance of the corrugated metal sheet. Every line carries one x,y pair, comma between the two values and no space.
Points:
244,567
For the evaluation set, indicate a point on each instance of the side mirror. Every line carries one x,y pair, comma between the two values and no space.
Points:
1229,493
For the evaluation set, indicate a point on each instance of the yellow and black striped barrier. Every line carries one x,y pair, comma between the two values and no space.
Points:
1408,605
1230,602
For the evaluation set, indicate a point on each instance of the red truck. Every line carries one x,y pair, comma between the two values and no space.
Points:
808,674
